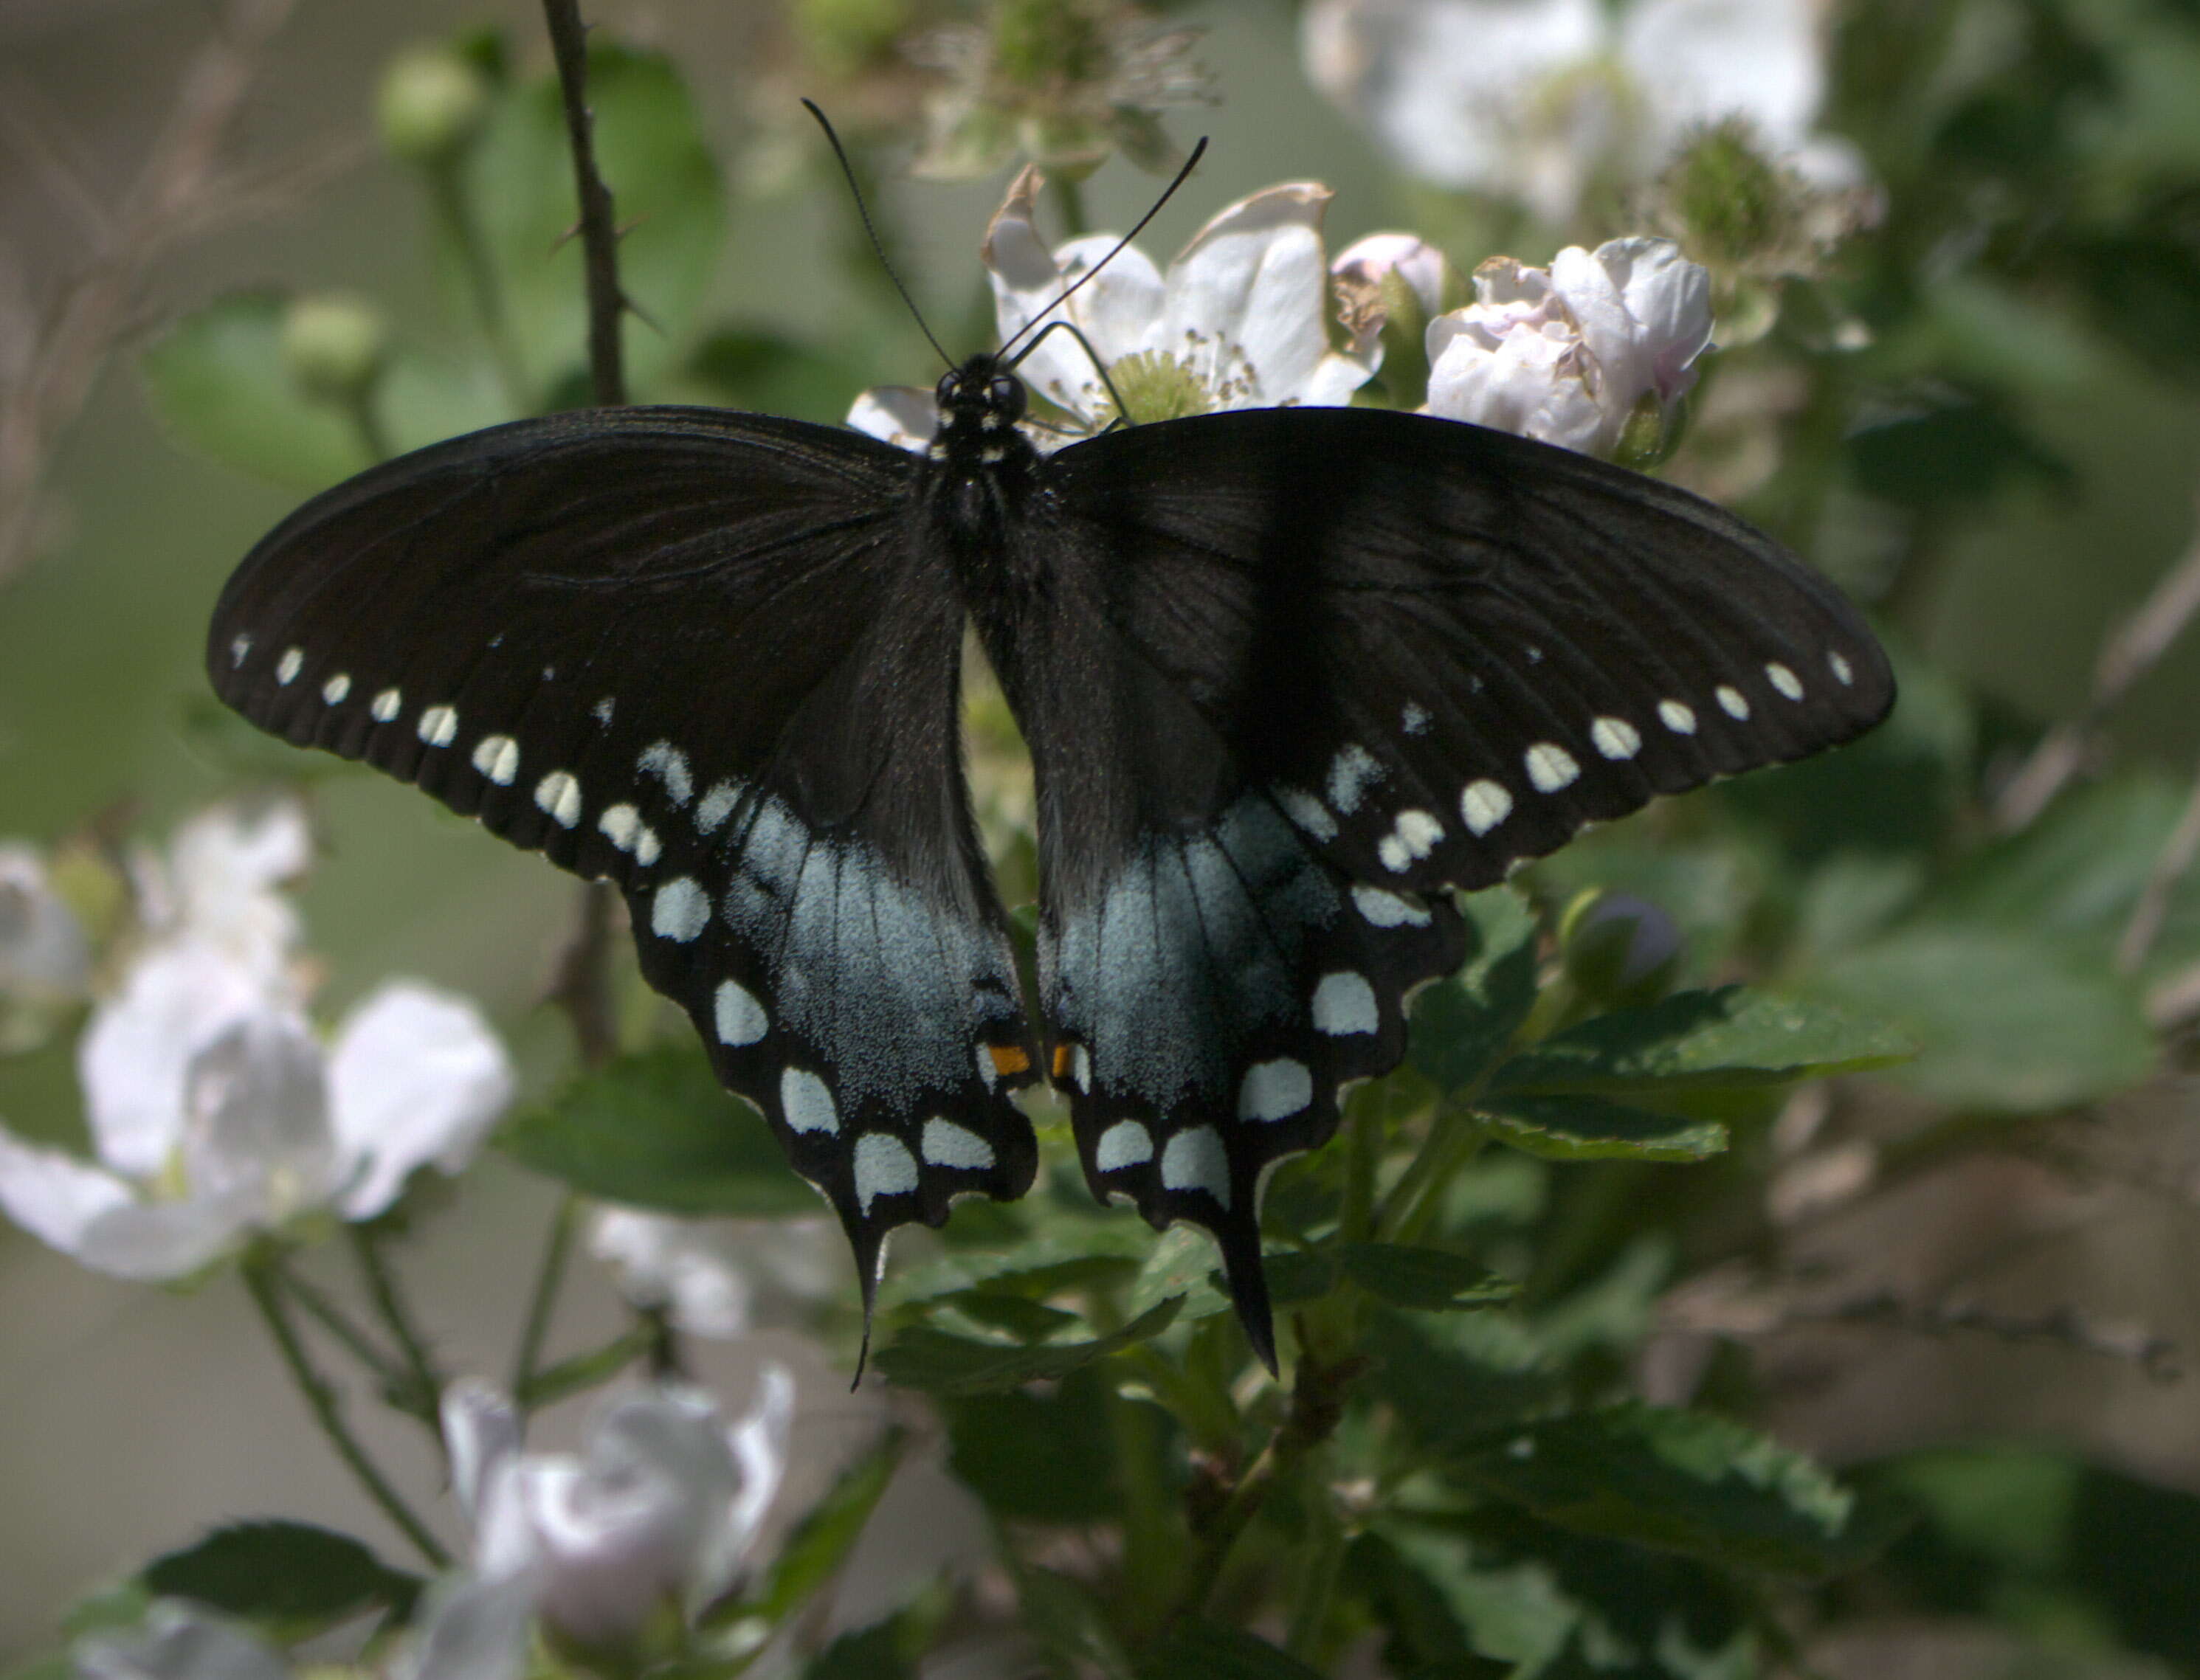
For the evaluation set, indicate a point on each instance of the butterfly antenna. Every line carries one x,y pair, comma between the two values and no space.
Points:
1069,291
863,212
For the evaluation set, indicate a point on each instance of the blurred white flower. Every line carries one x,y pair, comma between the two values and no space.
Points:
660,1508
715,1277
178,1641
1530,99
214,1111
43,955
1239,320
1567,354
219,881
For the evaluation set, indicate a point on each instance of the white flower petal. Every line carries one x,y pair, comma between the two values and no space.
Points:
133,1057
693,1267
1529,382
473,1630
759,1448
417,1075
256,1120
481,1434
1117,311
223,867
1420,264
178,1641
900,415
43,949
1249,297
1443,83
1699,60
1669,300
98,1221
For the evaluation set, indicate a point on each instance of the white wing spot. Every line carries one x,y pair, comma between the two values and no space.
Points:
1308,812
602,710
439,725
948,1145
680,911
1081,1069
619,824
1551,767
1351,774
981,1058
1681,720
1784,680
1732,703
559,794
1392,850
1274,1090
287,668
1485,805
647,848
334,690
667,762
1344,1004
884,1167
1194,1160
239,646
1615,738
1843,673
1415,719
1125,1144
1420,831
807,1102
386,705
716,806
1387,910
741,1019
497,757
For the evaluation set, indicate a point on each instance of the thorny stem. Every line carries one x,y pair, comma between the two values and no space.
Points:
421,1376
259,1277
569,40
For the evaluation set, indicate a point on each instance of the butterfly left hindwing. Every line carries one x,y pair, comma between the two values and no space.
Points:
695,653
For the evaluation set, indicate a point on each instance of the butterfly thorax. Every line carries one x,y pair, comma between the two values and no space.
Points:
982,469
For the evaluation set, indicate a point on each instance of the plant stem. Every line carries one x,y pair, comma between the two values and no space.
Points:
260,1278
448,195
1070,196
333,1319
543,1305
420,1369
569,41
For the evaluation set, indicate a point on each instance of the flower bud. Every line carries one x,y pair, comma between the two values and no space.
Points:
332,345
432,102
1619,949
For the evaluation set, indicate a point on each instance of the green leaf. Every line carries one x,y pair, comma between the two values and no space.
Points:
1515,1613
219,387
289,1576
1462,1025
1426,1280
1069,1255
769,373
939,1364
2008,1020
1044,1458
1454,1377
1197,1649
1678,1481
1070,1624
1697,1040
1422,1635
813,1554
655,1129
1181,1266
664,185
1590,1128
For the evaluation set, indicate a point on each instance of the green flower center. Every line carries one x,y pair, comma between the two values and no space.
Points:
1155,386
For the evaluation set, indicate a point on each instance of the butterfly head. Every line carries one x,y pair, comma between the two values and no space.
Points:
981,396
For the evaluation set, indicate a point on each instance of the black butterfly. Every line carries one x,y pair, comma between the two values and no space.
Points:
1288,676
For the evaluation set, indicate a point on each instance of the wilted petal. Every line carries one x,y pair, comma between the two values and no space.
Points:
417,1075
1528,382
1698,60
178,1641
900,415
1443,83
43,949
1644,311
133,1057
256,1128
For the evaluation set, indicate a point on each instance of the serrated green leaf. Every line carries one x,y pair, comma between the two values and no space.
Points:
1197,1649
1681,1482
1092,1254
666,194
289,1577
1182,1266
939,1364
1515,1613
1422,1635
1425,1280
217,386
821,1543
1452,1377
1462,1025
655,1129
1575,1128
1733,1036
2007,1021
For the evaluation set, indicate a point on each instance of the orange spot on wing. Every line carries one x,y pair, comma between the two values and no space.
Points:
1064,1054
1008,1058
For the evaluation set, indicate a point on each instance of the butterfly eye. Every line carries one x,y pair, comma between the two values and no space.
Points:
950,382
1006,396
